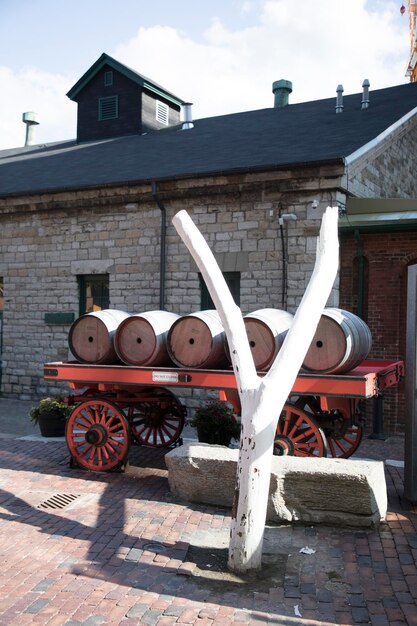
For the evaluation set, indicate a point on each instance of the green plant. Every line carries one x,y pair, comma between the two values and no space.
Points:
50,405
217,418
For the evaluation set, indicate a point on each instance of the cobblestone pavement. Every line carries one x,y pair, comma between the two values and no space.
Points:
83,548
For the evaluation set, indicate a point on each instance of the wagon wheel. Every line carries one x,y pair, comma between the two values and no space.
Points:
298,434
343,437
157,419
98,435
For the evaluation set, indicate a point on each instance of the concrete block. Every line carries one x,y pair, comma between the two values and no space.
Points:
343,492
198,472
346,492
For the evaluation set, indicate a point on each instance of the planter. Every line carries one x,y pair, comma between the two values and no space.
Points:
52,424
206,434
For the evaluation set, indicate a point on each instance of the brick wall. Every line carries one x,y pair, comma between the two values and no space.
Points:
387,257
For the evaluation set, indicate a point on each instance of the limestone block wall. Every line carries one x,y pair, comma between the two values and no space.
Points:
389,170
49,240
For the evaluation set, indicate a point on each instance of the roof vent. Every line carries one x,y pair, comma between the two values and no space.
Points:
281,90
365,94
162,113
339,99
30,119
188,116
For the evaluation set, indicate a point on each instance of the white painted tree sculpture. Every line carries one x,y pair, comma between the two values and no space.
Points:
262,399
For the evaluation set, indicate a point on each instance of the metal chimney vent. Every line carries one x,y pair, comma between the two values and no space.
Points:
281,90
365,94
30,119
188,116
339,99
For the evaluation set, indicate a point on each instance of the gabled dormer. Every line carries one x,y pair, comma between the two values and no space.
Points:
114,100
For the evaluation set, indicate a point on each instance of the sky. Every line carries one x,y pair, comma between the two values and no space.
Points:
221,55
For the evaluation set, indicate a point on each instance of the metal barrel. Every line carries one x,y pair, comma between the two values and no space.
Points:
91,336
198,340
266,330
141,339
341,342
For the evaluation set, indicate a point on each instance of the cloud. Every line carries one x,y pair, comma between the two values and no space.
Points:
31,89
316,45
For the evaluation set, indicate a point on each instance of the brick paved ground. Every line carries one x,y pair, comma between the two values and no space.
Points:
86,548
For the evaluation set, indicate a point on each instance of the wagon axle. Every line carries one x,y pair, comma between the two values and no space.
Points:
283,446
97,435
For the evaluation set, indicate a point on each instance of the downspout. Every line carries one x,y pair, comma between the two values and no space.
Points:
360,273
283,219
284,267
163,247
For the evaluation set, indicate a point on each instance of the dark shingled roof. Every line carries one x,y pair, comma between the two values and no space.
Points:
298,134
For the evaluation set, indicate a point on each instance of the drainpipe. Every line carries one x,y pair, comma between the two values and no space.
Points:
283,219
360,273
163,247
284,267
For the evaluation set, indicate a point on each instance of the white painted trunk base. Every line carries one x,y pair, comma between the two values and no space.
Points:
261,399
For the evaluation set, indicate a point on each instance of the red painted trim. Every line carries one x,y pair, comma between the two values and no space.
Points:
362,382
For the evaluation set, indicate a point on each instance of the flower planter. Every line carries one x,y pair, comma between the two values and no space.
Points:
52,424
215,423
206,434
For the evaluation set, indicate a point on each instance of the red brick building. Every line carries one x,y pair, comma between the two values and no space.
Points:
378,245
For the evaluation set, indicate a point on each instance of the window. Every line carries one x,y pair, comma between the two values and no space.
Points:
94,292
108,79
108,108
233,282
162,112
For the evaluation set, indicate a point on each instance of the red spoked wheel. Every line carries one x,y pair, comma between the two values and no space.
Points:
157,418
342,435
298,434
98,435
344,439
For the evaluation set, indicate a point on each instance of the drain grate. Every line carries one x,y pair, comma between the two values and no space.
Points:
155,546
58,501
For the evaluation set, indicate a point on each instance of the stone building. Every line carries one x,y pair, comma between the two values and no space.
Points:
88,222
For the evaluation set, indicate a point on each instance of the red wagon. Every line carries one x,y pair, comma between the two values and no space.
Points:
115,403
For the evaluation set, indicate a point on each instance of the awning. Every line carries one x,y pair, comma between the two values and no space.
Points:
379,213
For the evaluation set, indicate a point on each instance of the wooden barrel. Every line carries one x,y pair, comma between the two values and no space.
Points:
341,342
91,336
141,339
266,330
198,340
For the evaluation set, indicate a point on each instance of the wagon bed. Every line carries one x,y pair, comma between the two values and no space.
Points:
362,382
112,403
